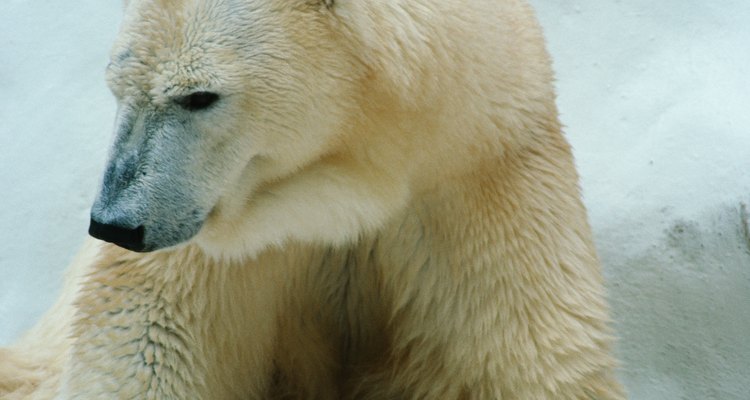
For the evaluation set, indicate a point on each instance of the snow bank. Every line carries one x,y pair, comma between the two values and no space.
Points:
655,98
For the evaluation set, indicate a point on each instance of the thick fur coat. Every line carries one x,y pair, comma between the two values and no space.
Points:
329,200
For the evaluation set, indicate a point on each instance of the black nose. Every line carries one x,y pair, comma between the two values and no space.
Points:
128,238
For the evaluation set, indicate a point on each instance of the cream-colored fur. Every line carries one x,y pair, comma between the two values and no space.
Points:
400,218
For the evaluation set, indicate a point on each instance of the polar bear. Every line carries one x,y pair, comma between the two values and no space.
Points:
329,200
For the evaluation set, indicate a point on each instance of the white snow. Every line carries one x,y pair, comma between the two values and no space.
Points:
655,98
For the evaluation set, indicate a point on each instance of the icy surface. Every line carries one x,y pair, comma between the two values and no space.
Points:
655,97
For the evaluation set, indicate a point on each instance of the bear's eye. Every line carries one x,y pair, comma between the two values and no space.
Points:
198,101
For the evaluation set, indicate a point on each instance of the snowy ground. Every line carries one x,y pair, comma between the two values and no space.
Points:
655,97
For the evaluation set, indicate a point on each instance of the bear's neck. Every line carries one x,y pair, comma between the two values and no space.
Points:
528,201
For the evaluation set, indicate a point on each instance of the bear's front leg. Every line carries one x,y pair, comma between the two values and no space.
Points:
170,325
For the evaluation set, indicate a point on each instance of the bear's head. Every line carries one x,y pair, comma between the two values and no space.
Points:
216,97
227,107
